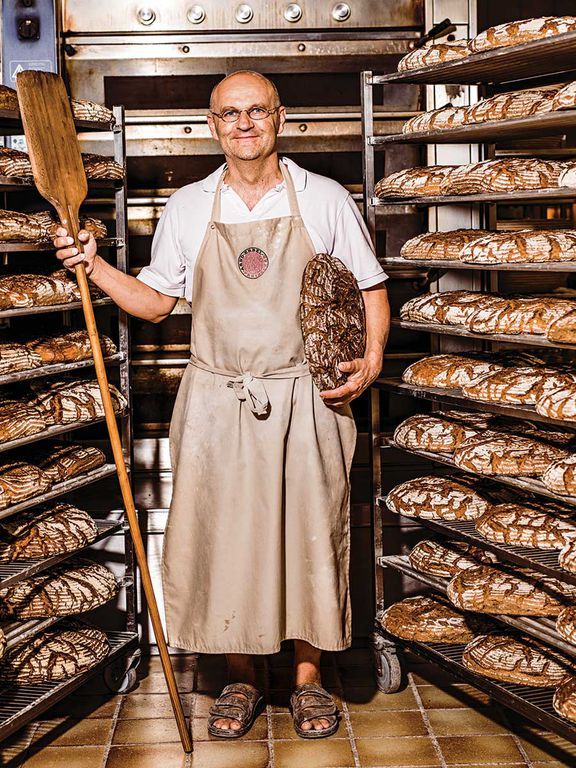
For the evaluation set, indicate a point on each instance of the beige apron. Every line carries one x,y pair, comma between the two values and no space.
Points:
258,536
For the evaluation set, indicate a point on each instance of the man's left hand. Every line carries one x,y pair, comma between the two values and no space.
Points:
361,373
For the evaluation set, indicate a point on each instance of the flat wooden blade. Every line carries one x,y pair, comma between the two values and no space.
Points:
52,143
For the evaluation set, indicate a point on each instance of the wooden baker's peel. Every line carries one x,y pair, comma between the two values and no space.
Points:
60,178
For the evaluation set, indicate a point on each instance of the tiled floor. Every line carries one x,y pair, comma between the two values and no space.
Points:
434,722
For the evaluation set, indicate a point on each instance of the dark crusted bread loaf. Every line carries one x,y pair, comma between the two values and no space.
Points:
437,498
19,418
508,175
62,461
68,402
430,618
434,53
565,98
564,701
332,319
560,475
91,111
441,246
20,481
525,526
16,357
501,454
515,385
18,227
448,371
563,330
423,181
566,623
429,433
68,347
507,106
567,557
446,559
436,119
524,31
534,246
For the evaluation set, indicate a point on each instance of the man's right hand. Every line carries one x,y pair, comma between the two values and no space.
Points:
68,253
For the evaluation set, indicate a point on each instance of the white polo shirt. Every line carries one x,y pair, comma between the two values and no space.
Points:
329,213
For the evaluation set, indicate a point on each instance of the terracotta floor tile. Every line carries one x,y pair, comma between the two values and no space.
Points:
13,749
201,702
146,731
154,682
84,706
453,696
361,699
548,747
409,751
387,723
499,765
429,674
143,705
459,750
323,753
70,732
462,722
145,756
180,662
258,732
71,757
212,754
553,764
283,728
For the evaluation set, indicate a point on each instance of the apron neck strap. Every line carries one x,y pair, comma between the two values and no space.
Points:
290,191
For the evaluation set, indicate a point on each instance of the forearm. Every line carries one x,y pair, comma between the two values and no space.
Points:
377,321
130,294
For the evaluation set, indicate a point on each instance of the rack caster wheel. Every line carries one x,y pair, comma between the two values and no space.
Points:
121,677
388,667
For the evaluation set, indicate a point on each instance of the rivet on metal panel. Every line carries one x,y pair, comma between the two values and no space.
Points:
187,129
301,47
302,127
185,49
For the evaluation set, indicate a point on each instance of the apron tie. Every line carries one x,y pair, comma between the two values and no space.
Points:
247,388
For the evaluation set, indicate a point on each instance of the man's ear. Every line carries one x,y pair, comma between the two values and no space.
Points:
212,126
281,119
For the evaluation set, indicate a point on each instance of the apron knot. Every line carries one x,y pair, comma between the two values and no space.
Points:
252,390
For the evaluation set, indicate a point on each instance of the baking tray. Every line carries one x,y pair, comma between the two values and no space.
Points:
535,196
23,311
51,370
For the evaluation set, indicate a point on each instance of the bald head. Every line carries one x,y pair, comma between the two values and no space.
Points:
240,79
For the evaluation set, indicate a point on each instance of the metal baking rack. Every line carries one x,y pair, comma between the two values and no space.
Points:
20,704
454,397
540,62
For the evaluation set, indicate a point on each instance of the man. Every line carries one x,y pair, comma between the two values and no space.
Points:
257,541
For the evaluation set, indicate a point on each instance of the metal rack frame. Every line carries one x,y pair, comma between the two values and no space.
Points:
551,59
20,704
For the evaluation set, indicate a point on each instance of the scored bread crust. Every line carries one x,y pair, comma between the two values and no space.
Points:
436,119
440,246
448,371
566,623
429,433
508,175
434,53
436,498
421,181
564,700
499,454
534,246
523,31
448,558
560,476
525,526
430,618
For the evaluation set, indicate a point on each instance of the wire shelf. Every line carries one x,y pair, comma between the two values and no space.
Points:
11,123
51,370
534,196
17,184
445,264
23,311
109,242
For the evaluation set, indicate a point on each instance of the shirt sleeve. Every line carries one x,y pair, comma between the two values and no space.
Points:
166,272
353,246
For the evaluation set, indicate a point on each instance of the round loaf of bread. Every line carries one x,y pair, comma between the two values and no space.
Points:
69,402
44,532
436,119
448,371
448,558
74,587
563,329
55,655
525,526
567,557
524,31
565,98
413,182
440,246
436,498
64,461
429,619
507,106
70,347
91,111
560,476
566,623
20,481
510,592
506,455
102,167
16,227
434,53
20,419
16,357
526,316
525,246
560,403
8,99
516,659
515,385
508,175
429,433
564,701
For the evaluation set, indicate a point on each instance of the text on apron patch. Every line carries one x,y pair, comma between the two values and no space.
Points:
253,262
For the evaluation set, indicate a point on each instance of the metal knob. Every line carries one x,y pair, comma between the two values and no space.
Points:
146,16
244,13
341,12
196,14
293,12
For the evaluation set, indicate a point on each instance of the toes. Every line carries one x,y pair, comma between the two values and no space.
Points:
234,725
320,724
306,725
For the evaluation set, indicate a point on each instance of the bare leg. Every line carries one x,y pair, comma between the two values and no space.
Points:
307,670
240,670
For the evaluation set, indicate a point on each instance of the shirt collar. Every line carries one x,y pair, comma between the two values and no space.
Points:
299,176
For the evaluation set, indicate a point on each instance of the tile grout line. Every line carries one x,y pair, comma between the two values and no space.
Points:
347,718
515,739
425,718
269,732
187,763
113,722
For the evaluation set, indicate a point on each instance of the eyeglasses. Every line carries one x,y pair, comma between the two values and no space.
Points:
254,113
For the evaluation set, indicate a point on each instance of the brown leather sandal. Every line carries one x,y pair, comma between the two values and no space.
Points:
310,702
230,705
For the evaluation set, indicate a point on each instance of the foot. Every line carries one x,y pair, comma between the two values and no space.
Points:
307,670
318,723
311,707
235,710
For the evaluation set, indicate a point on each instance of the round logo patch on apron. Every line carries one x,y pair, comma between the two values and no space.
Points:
253,262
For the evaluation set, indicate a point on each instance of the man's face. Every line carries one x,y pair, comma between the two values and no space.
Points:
246,139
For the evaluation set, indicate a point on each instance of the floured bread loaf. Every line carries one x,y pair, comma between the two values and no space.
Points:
448,558
8,99
525,526
507,591
560,403
41,533
69,347
516,659
430,619
567,177
567,557
507,106
18,227
92,112
475,419
74,587
55,655
565,98
506,455
563,329
69,402
448,371
526,316
560,476
428,433
447,307
49,223
20,419
441,246
101,167
524,31
514,385
436,119
436,498
14,163
61,462
564,701
525,246
20,481
414,182
70,286
434,53
566,624
27,290
508,175
16,357
527,428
